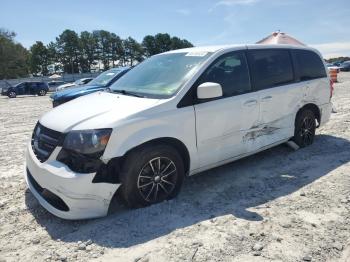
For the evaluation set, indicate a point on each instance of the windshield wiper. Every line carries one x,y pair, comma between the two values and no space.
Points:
128,93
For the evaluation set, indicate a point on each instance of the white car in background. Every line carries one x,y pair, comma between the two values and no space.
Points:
173,115
79,82
332,66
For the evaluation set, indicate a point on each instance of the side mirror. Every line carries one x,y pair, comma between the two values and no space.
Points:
209,90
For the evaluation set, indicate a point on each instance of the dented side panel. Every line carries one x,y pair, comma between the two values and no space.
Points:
221,126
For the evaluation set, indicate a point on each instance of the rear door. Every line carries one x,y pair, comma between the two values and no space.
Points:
279,95
33,87
221,124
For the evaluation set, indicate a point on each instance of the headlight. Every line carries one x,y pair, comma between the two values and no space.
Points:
87,141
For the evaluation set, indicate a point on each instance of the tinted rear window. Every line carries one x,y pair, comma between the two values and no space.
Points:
270,68
309,65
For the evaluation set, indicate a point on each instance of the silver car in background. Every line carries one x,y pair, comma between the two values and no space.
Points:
78,82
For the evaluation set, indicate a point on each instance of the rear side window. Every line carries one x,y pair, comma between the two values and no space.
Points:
231,72
270,68
309,65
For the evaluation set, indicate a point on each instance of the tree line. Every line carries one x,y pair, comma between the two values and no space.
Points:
14,57
338,59
79,53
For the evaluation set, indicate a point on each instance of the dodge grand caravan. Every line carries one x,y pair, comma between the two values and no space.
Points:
175,114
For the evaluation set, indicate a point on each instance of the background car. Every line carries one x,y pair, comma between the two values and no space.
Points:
100,83
337,63
54,84
79,82
345,66
332,66
26,88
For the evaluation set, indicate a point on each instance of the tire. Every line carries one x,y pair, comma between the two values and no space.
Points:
305,128
144,183
12,94
42,92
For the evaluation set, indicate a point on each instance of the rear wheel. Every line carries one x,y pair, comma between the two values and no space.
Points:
42,92
305,128
151,175
12,94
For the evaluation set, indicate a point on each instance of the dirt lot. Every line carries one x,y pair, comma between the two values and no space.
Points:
279,205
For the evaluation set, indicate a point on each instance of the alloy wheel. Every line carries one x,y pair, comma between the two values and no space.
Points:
157,179
307,130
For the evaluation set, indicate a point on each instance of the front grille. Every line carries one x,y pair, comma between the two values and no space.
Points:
44,141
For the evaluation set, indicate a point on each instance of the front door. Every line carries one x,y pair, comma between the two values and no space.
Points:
222,124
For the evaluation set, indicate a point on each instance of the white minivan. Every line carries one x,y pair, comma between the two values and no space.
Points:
173,115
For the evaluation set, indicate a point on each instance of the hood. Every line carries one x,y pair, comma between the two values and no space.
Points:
76,91
97,110
65,85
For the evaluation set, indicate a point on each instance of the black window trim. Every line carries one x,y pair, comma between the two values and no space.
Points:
190,98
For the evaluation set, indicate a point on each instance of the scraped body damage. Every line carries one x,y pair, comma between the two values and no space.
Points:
264,134
256,133
83,198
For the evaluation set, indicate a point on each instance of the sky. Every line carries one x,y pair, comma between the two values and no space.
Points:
322,24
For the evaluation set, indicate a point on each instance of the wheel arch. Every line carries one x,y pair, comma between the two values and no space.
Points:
314,108
115,164
174,142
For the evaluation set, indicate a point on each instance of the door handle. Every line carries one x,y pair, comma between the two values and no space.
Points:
252,102
266,98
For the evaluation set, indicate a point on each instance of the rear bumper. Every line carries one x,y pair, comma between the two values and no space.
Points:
326,111
64,193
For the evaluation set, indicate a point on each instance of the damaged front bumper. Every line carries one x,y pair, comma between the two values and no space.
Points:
65,193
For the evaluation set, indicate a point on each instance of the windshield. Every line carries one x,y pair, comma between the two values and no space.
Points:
19,84
104,78
162,75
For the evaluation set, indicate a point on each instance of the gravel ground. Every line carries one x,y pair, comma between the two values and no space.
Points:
278,205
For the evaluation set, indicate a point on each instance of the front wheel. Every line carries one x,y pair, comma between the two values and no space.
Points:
305,128
12,94
151,175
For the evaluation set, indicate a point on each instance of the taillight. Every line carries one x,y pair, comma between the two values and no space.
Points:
331,87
